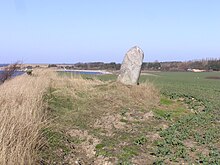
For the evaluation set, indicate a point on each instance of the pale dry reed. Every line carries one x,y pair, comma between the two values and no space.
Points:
22,117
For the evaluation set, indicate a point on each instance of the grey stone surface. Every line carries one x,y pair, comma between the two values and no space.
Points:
131,66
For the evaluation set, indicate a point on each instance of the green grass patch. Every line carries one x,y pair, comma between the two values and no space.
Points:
163,113
57,146
127,153
165,101
140,141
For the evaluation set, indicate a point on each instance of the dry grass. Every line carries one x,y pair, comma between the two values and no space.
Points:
112,93
75,103
22,117
93,99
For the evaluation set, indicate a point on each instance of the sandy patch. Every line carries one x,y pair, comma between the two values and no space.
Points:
142,159
138,116
88,144
109,123
87,149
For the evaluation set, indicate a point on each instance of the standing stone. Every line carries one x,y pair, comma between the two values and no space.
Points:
131,66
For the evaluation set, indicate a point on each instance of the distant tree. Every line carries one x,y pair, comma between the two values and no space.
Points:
29,67
118,66
151,66
214,65
52,65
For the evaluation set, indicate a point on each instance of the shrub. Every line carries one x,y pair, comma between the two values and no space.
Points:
8,72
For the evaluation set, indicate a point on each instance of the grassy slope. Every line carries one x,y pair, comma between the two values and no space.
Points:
97,122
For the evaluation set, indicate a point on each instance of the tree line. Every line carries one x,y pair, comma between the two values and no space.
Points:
208,65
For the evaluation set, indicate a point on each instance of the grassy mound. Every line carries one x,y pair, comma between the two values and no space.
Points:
95,122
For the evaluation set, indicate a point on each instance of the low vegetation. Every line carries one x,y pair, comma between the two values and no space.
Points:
193,138
97,122
64,119
105,122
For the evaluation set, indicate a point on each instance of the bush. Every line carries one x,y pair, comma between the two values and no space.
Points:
8,72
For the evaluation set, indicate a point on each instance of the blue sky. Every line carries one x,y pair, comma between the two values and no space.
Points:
71,31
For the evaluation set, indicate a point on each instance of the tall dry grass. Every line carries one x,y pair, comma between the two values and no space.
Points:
22,117
95,98
145,94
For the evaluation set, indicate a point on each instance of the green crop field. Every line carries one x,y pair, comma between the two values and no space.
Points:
124,125
202,129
